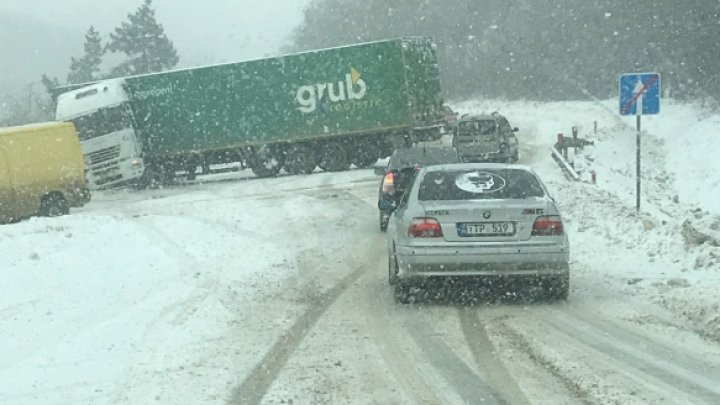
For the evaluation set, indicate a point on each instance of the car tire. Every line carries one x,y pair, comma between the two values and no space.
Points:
54,205
392,270
402,293
557,288
384,221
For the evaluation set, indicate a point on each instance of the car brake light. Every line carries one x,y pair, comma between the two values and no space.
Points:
425,228
388,185
549,225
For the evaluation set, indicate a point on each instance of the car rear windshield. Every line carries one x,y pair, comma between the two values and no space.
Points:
482,184
483,127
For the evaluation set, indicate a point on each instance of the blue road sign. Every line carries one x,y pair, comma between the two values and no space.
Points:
640,90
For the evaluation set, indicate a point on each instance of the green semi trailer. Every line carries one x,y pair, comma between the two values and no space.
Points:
329,108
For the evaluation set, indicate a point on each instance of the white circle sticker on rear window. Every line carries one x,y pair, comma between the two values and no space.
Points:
480,182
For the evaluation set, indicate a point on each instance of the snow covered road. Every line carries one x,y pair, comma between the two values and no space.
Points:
274,291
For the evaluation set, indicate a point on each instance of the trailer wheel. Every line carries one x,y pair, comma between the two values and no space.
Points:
334,157
156,176
266,162
365,154
300,159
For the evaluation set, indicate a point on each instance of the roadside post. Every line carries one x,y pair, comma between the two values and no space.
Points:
639,95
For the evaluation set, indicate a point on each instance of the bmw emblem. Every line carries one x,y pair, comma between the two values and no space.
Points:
486,214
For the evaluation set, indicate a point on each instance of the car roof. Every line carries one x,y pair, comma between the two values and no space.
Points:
418,155
481,117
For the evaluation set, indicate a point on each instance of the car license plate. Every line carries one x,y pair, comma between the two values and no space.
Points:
486,229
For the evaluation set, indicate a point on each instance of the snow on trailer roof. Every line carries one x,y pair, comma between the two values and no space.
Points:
31,127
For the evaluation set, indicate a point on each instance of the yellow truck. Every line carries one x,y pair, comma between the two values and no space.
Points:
42,171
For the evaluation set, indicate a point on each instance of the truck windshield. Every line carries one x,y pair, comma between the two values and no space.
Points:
102,122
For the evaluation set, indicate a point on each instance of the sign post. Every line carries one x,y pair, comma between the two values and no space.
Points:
639,95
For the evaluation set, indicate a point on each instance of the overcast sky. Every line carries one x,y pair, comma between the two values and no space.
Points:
203,31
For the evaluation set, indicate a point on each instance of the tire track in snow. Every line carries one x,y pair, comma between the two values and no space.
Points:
486,356
613,329
385,334
464,380
256,384
693,382
579,394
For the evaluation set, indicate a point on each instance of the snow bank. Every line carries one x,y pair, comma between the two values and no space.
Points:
646,255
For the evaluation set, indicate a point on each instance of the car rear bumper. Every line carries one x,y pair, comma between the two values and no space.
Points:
486,157
451,262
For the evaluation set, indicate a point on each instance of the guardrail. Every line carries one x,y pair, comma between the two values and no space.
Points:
559,153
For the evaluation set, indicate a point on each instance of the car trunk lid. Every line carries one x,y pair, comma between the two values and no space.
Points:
486,220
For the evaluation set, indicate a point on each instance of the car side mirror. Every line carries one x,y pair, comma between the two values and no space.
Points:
379,170
516,129
386,205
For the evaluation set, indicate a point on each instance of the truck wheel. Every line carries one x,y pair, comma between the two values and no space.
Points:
156,176
334,157
385,148
54,205
300,159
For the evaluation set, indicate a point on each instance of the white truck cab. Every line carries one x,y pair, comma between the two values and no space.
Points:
106,126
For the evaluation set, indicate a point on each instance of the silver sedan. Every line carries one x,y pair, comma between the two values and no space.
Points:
477,219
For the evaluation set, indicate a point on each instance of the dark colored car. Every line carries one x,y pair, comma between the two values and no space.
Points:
400,172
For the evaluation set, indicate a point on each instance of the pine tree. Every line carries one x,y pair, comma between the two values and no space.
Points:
87,68
49,82
144,42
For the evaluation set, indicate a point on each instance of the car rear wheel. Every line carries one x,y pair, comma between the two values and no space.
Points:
54,205
384,220
557,288
401,293
392,270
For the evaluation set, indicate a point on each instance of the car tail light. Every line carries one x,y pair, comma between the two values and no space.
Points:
388,185
549,225
425,228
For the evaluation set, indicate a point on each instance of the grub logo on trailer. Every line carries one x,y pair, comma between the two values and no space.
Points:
314,96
